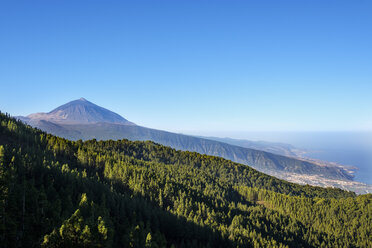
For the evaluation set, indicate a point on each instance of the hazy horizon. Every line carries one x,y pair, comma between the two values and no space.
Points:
231,133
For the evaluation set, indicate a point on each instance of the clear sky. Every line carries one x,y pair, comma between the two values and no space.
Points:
193,66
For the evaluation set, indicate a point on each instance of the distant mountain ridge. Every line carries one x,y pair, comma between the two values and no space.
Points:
81,119
272,147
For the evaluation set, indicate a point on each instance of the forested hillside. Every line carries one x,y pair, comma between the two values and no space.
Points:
261,160
81,119
60,193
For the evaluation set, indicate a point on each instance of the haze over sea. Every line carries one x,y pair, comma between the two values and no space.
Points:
346,148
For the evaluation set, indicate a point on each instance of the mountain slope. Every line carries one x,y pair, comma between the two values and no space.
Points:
58,193
108,129
272,147
263,161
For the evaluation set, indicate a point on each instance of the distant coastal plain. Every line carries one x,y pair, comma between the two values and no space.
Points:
345,148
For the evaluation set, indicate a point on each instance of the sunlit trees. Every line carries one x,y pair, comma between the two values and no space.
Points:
58,193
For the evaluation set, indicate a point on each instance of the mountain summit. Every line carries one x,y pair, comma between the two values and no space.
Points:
80,111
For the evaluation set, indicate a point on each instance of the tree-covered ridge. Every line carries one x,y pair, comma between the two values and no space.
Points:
58,193
81,119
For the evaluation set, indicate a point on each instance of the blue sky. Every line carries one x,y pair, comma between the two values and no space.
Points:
193,66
